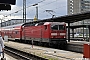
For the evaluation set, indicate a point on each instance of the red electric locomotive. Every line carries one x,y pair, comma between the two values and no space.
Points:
45,32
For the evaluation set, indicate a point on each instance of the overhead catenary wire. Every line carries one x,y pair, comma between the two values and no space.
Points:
34,4
31,6
53,8
40,7
26,7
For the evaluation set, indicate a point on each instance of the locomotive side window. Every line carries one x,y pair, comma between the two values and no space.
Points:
45,27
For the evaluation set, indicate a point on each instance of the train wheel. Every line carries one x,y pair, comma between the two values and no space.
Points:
45,44
39,43
50,45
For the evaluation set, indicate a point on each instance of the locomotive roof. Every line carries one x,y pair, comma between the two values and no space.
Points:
67,18
43,23
46,23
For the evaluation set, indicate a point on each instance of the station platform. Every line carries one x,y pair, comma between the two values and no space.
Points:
78,42
8,57
47,53
76,46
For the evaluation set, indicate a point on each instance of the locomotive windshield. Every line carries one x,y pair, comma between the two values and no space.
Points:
58,27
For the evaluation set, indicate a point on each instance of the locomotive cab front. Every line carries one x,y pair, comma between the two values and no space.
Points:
58,33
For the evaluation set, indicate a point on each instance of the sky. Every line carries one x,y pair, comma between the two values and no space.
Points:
56,7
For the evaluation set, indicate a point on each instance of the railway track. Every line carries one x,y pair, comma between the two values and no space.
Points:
24,56
19,55
37,51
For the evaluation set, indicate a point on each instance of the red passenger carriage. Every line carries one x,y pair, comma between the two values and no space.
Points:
13,32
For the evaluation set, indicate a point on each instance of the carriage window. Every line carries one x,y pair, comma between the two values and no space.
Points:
40,23
16,32
33,24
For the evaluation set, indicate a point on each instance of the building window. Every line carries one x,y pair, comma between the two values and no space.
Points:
71,4
71,7
71,1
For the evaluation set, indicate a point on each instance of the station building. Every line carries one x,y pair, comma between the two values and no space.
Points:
78,6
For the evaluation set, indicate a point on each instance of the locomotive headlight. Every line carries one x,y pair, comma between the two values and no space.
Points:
64,37
54,34
62,33
52,37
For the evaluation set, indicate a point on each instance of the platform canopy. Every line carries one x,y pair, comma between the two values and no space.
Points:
6,4
67,18
13,2
71,18
78,26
